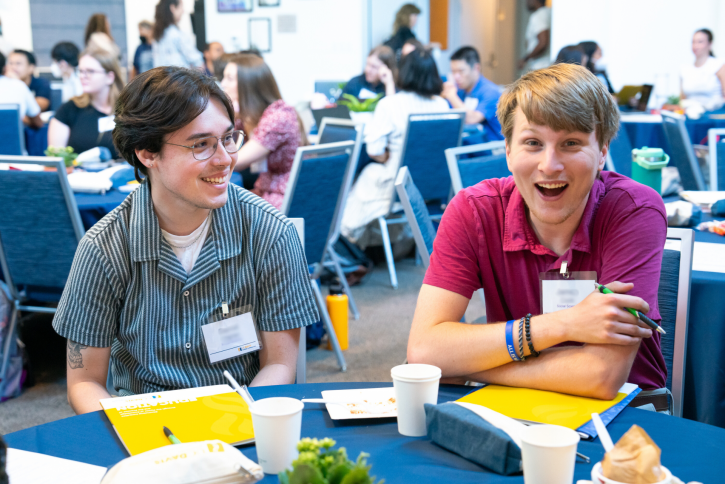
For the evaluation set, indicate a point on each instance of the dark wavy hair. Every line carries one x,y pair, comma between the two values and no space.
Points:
419,74
157,103
571,54
163,17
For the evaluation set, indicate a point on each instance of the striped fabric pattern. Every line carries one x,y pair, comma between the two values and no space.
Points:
128,290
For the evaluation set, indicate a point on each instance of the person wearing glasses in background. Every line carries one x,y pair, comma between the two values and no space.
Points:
187,249
86,121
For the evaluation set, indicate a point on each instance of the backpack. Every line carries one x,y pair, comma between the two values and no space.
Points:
15,375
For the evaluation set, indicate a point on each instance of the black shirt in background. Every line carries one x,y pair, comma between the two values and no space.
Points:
83,124
40,88
397,41
358,83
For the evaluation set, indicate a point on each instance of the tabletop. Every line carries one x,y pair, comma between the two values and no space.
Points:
691,450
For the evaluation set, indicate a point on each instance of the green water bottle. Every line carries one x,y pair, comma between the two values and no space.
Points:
647,164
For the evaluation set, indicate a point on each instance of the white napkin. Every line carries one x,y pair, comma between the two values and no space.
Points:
85,182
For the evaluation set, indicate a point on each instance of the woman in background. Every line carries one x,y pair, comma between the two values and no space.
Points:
172,46
378,76
273,128
86,121
405,21
704,81
596,63
420,87
572,54
98,35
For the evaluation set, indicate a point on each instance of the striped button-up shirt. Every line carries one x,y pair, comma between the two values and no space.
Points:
128,290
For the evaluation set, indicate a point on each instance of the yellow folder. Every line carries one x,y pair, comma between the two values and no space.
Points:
541,406
194,414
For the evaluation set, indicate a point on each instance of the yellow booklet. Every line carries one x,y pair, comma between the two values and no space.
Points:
193,414
544,407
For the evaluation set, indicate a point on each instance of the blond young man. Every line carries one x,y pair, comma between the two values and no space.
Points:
502,234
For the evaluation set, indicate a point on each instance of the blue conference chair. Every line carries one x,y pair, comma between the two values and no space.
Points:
335,130
467,170
673,299
426,139
316,192
716,159
682,154
12,133
39,231
56,95
619,158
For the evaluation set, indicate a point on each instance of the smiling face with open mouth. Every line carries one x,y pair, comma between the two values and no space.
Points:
553,170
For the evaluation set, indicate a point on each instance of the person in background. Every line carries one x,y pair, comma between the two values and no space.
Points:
172,46
378,76
596,62
704,80
213,52
14,91
143,59
471,91
21,65
405,20
64,65
98,35
273,126
572,54
86,121
409,46
420,87
538,36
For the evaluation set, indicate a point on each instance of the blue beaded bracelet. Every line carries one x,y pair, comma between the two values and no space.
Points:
510,341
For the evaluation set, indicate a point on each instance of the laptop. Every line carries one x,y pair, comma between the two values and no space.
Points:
331,89
341,112
634,98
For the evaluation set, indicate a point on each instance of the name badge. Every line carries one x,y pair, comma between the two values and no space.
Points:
366,94
106,123
564,290
470,103
259,166
232,336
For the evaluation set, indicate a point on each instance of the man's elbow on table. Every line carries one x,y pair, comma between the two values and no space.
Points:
607,370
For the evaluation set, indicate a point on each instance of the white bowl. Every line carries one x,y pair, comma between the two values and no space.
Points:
598,478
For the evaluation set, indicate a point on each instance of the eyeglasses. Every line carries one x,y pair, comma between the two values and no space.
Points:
204,148
89,72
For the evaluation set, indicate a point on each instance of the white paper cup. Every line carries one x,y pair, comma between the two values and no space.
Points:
277,428
598,478
415,385
549,454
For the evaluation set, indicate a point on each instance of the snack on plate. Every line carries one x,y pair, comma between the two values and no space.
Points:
635,459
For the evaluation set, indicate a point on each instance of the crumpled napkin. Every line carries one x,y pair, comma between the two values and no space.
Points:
635,459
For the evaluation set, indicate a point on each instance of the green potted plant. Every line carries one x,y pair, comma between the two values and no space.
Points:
67,153
319,463
360,110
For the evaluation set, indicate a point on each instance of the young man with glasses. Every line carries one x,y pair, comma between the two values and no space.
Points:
190,274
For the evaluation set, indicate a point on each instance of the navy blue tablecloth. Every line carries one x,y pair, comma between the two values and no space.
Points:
691,450
653,135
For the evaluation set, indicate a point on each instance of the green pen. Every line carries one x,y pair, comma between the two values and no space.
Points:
638,314
171,436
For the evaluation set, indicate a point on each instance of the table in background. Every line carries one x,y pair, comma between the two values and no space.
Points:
691,450
652,134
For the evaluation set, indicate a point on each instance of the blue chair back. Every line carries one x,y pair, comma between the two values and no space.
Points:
316,191
717,158
417,214
426,140
673,300
469,165
56,96
682,154
12,134
334,130
40,225
620,153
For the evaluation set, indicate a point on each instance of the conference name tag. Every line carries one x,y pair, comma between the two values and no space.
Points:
565,290
366,94
231,337
106,123
259,166
470,103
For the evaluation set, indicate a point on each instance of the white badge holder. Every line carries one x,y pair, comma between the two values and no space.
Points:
564,289
231,333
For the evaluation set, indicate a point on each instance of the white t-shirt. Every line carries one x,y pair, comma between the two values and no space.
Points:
15,91
539,21
701,84
191,250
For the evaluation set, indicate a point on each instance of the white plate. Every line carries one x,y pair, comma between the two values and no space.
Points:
382,398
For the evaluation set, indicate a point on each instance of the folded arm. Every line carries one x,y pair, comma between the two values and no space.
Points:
87,369
278,358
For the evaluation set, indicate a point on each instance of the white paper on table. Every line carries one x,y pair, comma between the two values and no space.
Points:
30,468
702,198
640,118
708,257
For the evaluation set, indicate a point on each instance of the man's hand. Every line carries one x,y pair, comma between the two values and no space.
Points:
602,319
522,62
450,91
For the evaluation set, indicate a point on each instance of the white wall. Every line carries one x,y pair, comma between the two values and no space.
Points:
644,41
15,16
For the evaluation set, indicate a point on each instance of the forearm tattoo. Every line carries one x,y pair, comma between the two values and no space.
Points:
75,358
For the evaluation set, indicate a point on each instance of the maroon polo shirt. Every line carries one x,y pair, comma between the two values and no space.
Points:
485,241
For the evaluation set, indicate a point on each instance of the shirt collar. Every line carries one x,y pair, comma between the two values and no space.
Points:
519,235
145,232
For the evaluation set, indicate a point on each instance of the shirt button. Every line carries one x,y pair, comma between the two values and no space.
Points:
188,345
186,293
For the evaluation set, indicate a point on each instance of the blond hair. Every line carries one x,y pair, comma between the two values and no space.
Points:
563,97
109,62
